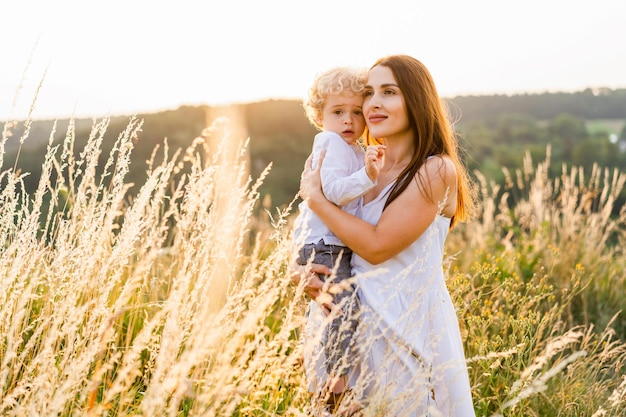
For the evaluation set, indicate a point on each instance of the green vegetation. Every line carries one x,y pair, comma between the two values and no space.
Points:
162,289
495,131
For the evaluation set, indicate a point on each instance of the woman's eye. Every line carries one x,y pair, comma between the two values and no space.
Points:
367,94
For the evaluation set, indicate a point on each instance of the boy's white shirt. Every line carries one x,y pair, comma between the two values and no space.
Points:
344,181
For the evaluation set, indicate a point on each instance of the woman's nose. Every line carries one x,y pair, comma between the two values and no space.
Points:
372,103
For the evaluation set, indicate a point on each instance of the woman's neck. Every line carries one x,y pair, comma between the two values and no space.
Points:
397,155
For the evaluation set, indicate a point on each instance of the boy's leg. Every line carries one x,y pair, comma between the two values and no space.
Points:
326,255
342,327
337,337
320,254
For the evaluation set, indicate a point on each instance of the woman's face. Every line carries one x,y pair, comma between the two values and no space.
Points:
384,109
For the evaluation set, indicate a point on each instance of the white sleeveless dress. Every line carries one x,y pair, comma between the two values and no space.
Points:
411,360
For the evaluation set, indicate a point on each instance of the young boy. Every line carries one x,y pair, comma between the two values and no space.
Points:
334,106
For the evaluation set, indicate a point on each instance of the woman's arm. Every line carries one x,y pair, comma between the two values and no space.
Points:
402,222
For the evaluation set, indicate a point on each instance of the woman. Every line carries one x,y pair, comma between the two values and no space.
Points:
411,360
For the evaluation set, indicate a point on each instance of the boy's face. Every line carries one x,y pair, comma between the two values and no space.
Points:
343,114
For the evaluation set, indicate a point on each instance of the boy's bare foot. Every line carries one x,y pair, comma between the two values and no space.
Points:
348,406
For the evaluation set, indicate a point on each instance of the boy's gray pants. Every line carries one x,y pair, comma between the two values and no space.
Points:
338,337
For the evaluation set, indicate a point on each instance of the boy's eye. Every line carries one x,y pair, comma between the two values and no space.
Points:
338,112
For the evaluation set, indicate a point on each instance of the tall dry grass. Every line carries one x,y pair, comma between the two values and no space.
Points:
538,278
176,301
107,312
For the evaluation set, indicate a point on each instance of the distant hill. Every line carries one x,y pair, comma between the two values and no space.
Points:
281,134
602,103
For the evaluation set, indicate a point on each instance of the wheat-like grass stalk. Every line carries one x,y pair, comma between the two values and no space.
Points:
177,300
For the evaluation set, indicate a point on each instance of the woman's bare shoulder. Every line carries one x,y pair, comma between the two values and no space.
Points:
441,176
440,167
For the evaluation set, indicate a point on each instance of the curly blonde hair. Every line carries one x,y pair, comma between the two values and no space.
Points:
339,80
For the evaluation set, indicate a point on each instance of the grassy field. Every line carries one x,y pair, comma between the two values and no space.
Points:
609,126
176,302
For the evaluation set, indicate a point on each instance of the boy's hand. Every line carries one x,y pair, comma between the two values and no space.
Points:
374,160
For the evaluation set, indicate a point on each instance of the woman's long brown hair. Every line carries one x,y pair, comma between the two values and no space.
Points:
433,133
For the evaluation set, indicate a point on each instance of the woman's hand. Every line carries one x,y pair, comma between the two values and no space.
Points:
313,286
311,179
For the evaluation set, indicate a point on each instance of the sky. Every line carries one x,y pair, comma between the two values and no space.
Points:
84,58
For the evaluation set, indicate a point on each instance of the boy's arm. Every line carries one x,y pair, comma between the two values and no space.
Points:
342,190
374,159
339,184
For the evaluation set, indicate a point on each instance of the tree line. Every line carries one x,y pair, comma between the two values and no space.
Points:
495,131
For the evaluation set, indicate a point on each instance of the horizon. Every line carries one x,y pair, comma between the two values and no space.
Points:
261,100
141,57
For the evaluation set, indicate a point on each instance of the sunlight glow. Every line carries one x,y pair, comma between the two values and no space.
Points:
140,56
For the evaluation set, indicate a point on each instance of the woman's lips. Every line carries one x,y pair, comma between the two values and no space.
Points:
376,118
